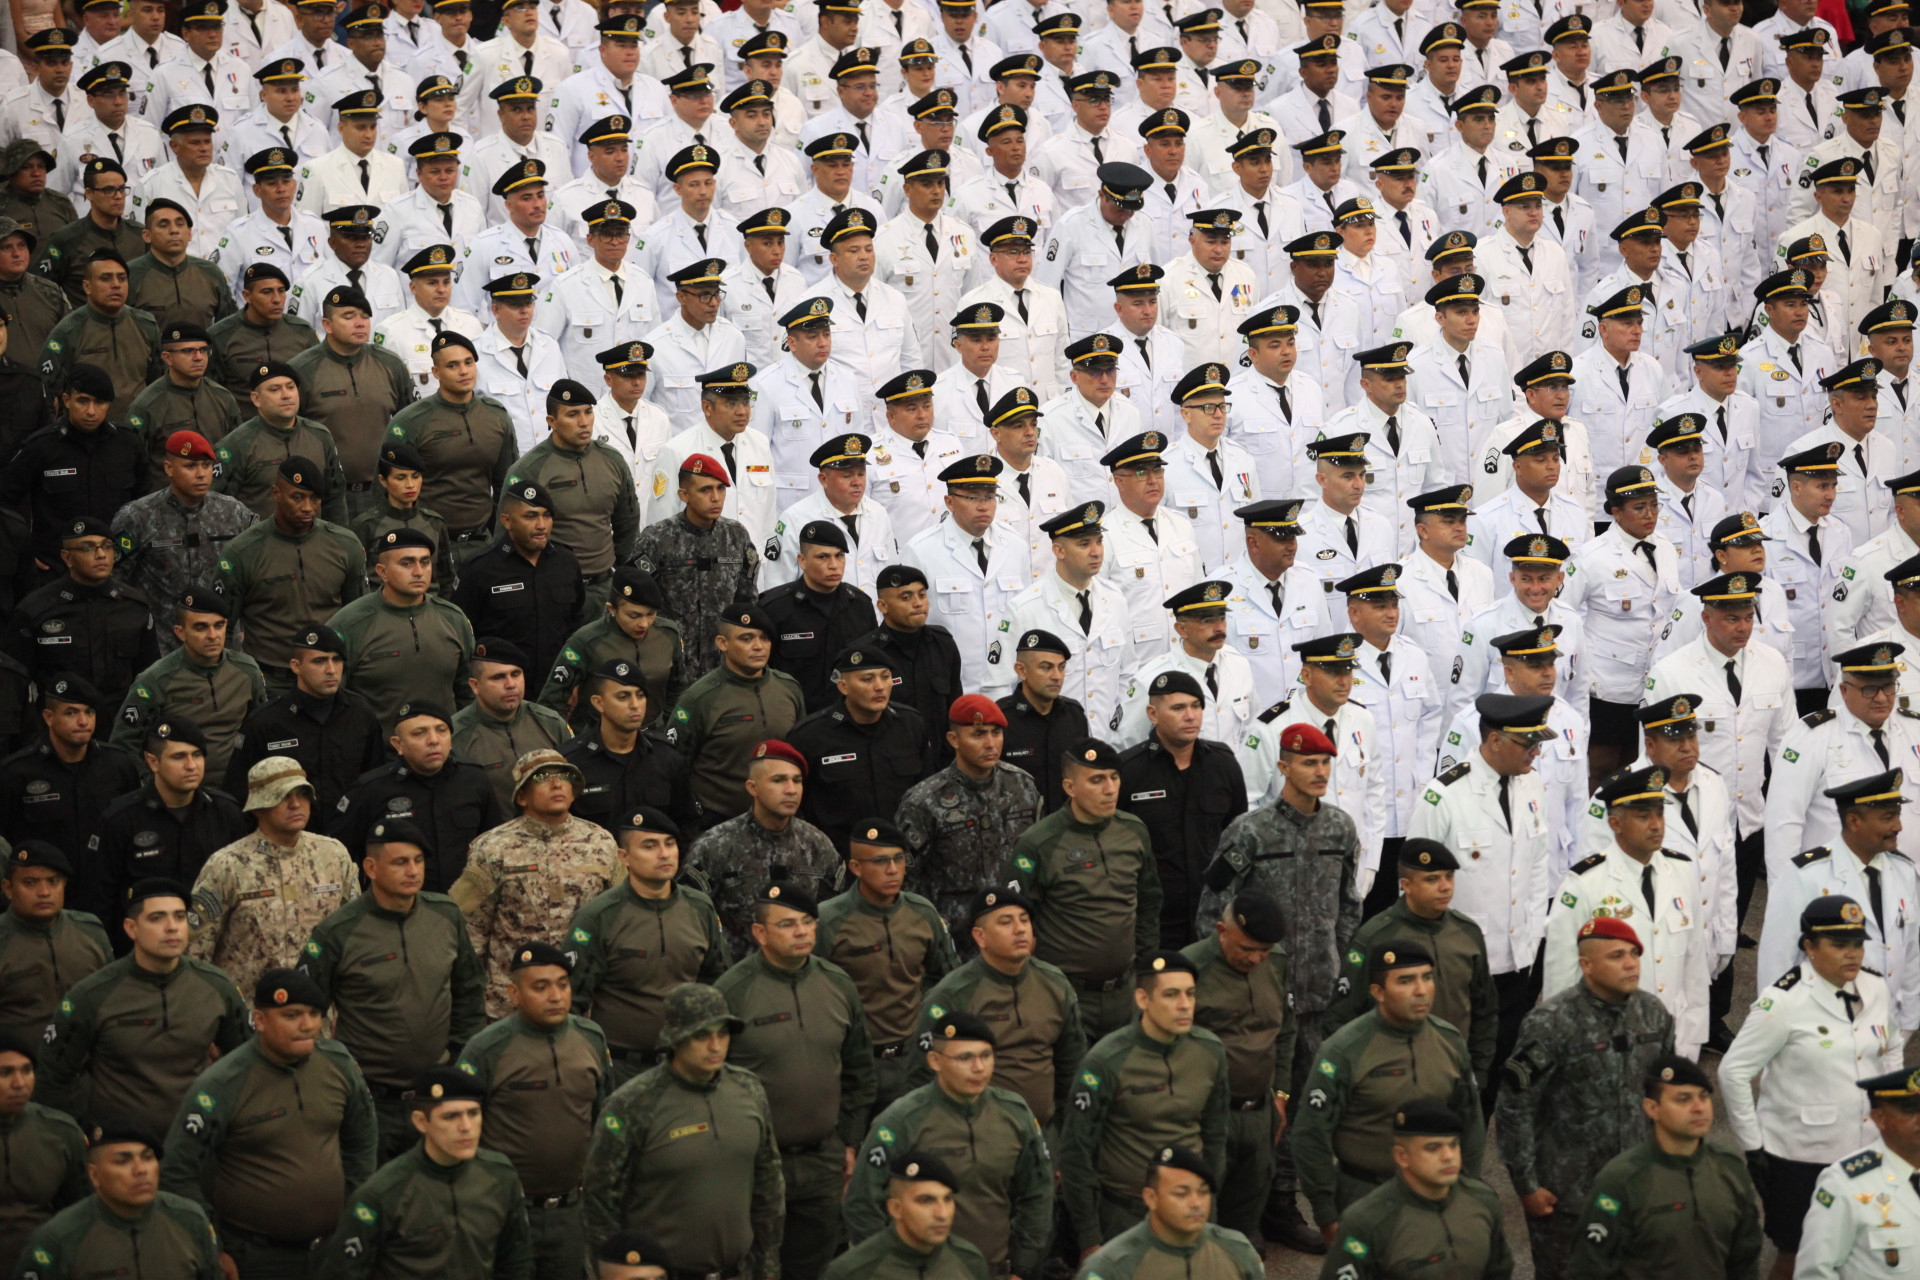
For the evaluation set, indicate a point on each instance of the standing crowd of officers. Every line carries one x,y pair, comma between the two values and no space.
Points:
936,669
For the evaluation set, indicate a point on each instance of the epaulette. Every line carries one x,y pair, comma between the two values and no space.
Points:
1585,865
1911,715
1273,712
1814,719
1867,968
1681,856
1790,979
1456,773
1865,1162
1811,856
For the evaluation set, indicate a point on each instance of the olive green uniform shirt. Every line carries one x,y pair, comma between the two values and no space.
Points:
1138,1254
355,397
398,654
1095,889
994,1147
65,247
40,963
280,584
887,1257
407,988
630,952
126,345
36,305
1133,1096
170,1239
193,292
415,1219
1035,1019
273,1148
383,517
478,738
240,346
1252,1013
139,1039
1656,1216
806,1038
544,1088
250,456
1366,1071
660,655
43,1169
217,699
468,450
596,513
1463,991
721,718
892,953
165,407
696,1164
1394,1231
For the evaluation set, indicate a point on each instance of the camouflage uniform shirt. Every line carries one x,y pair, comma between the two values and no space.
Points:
166,546
961,830
732,861
255,903
525,879
700,572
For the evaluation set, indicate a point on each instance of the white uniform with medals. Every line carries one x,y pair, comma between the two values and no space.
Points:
1735,742
908,484
255,237
1892,952
1789,396
1478,664
1430,615
1503,880
1809,588
408,333
1460,411
1675,936
1257,422
1733,466
1323,546
1031,350
1267,638
1151,388
1406,704
1192,492
1148,570
1828,749
1538,305
1207,325
1101,657
1561,767
867,555
750,498
785,412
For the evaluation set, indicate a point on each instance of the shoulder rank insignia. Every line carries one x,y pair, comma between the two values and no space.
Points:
1811,856
1865,1162
1587,864
1790,979
1275,711
1456,773
1814,719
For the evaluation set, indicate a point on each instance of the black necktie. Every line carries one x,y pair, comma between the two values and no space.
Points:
520,360
1213,681
1013,192
1793,354
320,58
899,27
446,217
966,56
1314,307
1718,210
1020,303
1726,52
1453,585
526,63
1353,537
1466,370
533,249
366,182
1213,465
1260,215
760,164
1873,896
1393,433
1900,393
1151,531
1860,456
819,400
700,234
933,244
1813,543
1326,117
1646,889
1506,802
860,304
1720,420
1880,748
1098,154
1146,356
253,24
120,155
1540,518
436,322
1620,141
1900,109
206,78
1646,549
1171,197
1400,216
1482,167
726,454
1024,483
1386,667
1765,163
1278,596
353,276
1685,265
619,292
1086,612
853,528
766,282
60,107
1846,250
1852,1002
860,126
1733,683
1866,164
980,395
633,437
1686,815
286,233
1286,406
920,450
1626,391
980,553
1213,278
1526,257
153,59
413,30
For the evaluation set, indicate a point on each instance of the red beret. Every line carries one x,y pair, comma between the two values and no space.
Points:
976,708
774,749
703,464
1306,740
1610,927
189,444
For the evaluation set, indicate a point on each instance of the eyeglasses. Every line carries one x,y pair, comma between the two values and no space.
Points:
1210,410
1872,692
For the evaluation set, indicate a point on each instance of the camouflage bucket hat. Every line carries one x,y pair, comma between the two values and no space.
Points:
692,1007
273,780
545,760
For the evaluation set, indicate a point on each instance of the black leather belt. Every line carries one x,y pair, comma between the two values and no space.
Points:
882,1052
360,487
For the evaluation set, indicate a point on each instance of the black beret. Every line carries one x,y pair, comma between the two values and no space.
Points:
994,898
1426,1118
1417,854
445,1083
321,639
1185,1159
74,689
401,539
14,1042
1397,954
115,1131
205,600
278,988
1258,916
302,474
1092,753
1166,962
636,586
1674,1069
958,1024
644,818
878,832
899,575
155,887
39,853
502,652
917,1166
399,455
398,831
782,893
1169,683
90,379
823,533
179,731
535,953
567,391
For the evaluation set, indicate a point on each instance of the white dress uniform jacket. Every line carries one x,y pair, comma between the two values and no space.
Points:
1788,393
1406,701
636,435
1273,422
1334,546
1102,656
905,478
415,222
1207,324
750,499
1809,588
680,355
1847,1232
1032,351
1561,767
1864,503
1046,495
1265,633
1891,950
1478,666
1824,750
1394,476
1733,465
1149,567
1209,505
1432,615
1084,252
785,412
1461,411
255,237
873,549
1735,741
1538,304
744,302
975,604
1150,385
1502,883
1864,596
1076,433
1510,514
1626,605
213,207
408,333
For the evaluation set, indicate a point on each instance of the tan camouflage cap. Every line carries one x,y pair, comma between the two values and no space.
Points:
692,1007
544,760
273,780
